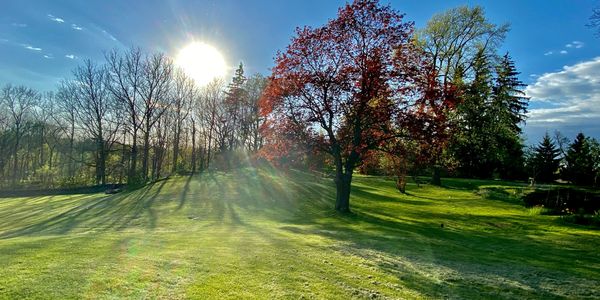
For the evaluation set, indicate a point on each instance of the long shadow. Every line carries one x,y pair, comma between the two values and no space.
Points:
98,214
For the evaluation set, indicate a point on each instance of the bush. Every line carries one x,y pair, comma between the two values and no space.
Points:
583,219
565,200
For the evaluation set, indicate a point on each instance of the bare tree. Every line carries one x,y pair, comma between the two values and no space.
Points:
156,79
126,78
20,102
183,93
96,112
66,99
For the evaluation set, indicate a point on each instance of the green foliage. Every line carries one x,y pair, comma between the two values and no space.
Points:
544,161
487,141
582,161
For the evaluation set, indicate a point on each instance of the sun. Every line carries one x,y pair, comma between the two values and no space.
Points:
202,62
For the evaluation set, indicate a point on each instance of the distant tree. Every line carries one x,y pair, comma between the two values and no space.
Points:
454,38
255,87
96,112
20,102
581,164
235,104
157,71
126,71
545,161
340,88
184,91
66,118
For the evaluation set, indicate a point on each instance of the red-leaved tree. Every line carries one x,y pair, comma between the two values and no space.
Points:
346,88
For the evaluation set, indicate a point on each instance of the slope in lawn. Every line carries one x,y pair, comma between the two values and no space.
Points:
262,234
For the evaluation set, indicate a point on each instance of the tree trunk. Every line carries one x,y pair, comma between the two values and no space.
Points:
343,183
100,162
133,159
176,148
15,153
193,147
436,178
146,154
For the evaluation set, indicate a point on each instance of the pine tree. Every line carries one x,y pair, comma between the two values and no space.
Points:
235,102
545,160
509,101
580,162
473,142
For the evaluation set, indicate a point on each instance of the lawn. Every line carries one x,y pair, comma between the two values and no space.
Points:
262,234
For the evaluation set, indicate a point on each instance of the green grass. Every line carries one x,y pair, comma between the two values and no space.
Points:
262,234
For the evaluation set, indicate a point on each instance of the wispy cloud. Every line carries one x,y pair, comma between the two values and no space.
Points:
575,44
110,36
548,53
21,25
56,19
70,56
48,56
564,51
29,47
76,27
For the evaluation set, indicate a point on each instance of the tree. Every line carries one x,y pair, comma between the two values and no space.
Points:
454,38
183,93
474,142
125,83
156,78
545,161
340,88
96,112
580,161
66,119
255,86
509,109
20,102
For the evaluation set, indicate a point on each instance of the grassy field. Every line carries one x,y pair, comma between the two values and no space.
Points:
261,234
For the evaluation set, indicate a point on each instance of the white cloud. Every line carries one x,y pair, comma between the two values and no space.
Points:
21,25
76,27
568,100
110,36
575,44
29,47
563,52
548,53
48,56
56,19
70,56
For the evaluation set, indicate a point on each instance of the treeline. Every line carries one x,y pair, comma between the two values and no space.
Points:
576,161
132,118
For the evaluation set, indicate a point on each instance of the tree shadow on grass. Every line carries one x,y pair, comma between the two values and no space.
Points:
114,212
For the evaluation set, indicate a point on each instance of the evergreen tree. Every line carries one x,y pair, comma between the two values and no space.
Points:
235,100
545,161
472,143
580,162
509,101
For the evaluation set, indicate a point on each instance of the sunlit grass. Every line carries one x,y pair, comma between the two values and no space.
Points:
267,234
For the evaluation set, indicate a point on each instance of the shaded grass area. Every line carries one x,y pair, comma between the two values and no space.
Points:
264,234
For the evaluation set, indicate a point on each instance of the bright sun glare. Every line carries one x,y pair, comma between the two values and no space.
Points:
202,62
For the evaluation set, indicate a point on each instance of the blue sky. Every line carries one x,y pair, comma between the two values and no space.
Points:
42,41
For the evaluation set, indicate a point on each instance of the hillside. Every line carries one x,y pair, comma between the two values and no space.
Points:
263,234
